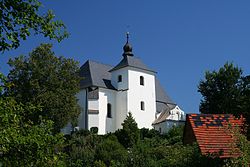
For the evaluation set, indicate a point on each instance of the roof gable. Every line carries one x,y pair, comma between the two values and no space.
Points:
211,131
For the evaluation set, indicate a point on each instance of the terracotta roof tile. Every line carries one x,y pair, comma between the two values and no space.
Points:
211,131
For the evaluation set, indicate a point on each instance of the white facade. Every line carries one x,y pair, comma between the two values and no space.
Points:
145,94
128,98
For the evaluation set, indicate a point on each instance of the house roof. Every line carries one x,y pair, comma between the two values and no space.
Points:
131,61
162,117
212,133
97,74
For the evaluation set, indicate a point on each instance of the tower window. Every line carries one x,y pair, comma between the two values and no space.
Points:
120,78
142,105
141,80
109,114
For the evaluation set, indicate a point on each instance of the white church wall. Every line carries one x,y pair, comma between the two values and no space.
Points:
121,108
123,85
93,121
106,125
142,93
81,96
93,104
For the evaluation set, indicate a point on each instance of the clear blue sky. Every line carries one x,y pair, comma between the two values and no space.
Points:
180,39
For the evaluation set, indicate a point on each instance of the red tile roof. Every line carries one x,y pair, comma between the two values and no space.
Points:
211,131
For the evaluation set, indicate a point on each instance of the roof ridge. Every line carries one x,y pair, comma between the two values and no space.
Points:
95,61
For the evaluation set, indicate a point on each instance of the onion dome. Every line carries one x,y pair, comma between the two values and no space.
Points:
127,48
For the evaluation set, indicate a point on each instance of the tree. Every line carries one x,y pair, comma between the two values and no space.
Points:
42,79
110,151
221,91
226,92
20,18
129,134
23,143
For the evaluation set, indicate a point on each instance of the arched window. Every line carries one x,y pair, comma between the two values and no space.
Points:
141,80
142,106
109,114
119,78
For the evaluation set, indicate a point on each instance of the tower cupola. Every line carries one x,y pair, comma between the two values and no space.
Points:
127,48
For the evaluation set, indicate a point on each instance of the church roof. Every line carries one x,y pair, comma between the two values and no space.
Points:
131,61
97,74
161,95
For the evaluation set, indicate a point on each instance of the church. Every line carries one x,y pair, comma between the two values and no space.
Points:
108,93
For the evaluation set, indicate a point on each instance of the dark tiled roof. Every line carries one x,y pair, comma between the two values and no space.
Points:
211,131
161,95
131,61
95,74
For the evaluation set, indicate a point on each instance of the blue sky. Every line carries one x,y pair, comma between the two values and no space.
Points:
180,39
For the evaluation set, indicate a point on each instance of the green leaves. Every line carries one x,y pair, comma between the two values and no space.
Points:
23,143
46,80
221,90
129,134
20,18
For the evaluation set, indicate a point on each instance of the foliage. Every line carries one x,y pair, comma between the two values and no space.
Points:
175,135
94,130
24,144
129,134
146,133
46,80
220,90
226,91
244,147
110,151
81,148
20,18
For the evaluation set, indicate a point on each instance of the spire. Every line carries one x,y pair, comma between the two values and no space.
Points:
127,48
127,36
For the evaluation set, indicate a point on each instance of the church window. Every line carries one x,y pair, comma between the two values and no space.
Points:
141,80
109,114
142,105
120,78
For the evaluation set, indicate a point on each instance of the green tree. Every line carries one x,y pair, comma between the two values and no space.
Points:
221,91
111,152
129,134
24,144
20,18
226,91
81,148
46,80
